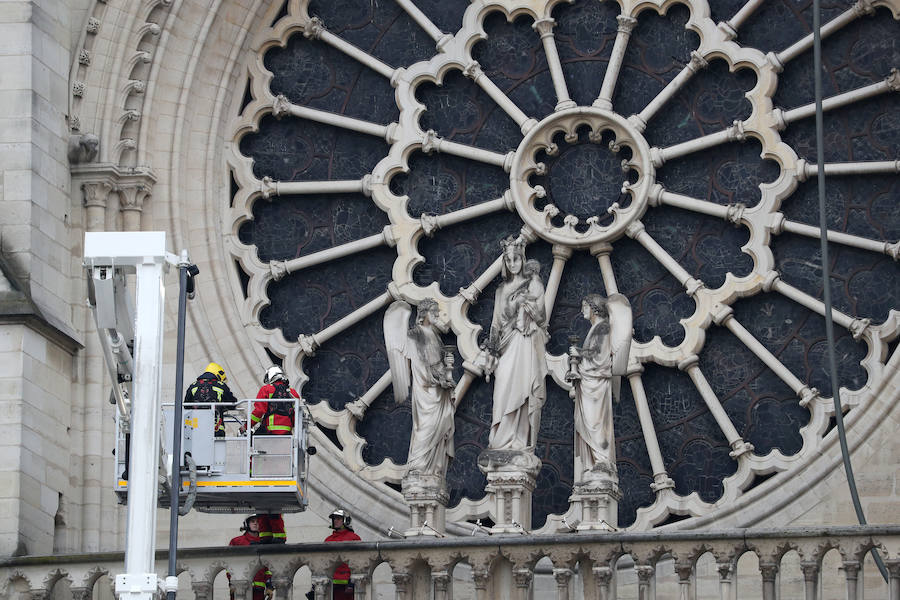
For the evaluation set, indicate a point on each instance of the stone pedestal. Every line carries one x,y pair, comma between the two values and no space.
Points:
511,476
427,498
596,499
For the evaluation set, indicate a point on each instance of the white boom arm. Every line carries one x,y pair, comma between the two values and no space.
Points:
144,254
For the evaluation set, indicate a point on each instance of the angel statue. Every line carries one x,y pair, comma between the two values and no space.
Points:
596,375
516,344
419,353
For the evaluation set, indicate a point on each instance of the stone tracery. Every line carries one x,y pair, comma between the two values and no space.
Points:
712,304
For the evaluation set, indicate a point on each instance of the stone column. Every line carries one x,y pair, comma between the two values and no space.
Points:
768,570
603,577
401,584
95,198
322,585
563,577
726,578
851,573
523,578
511,476
441,581
241,589
202,590
360,586
427,498
645,577
283,587
481,578
685,572
131,198
893,567
810,570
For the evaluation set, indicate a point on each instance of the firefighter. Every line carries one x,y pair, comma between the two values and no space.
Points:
341,523
262,580
273,418
211,387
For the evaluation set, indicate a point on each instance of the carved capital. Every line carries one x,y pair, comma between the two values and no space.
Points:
96,193
562,576
278,269
768,571
544,26
401,580
281,106
739,447
430,223
735,212
308,344
625,24
132,196
810,570
858,327
662,481
202,590
893,250
893,80
644,573
697,62
863,8
473,70
268,187
481,578
313,28
807,395
736,131
431,142
523,577
776,63
851,569
441,581
602,575
684,571
725,570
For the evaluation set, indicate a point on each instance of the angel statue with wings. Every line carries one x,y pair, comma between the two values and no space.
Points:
420,362
596,377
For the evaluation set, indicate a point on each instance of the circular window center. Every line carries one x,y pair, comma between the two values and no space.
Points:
584,179
581,176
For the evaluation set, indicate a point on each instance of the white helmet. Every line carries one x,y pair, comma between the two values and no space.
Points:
274,374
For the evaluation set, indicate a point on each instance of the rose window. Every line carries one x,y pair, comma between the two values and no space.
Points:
382,152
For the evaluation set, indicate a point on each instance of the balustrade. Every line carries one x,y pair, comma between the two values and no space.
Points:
421,565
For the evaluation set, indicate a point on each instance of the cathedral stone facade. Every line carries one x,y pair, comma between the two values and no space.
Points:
321,160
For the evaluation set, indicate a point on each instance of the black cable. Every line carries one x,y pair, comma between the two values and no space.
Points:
826,277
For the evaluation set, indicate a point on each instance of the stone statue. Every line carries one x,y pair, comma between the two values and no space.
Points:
596,371
516,345
421,363
83,148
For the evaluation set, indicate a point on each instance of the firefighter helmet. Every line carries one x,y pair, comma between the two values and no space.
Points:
274,374
217,370
340,512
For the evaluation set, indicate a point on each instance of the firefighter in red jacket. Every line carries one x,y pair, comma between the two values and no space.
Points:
341,586
273,418
262,580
